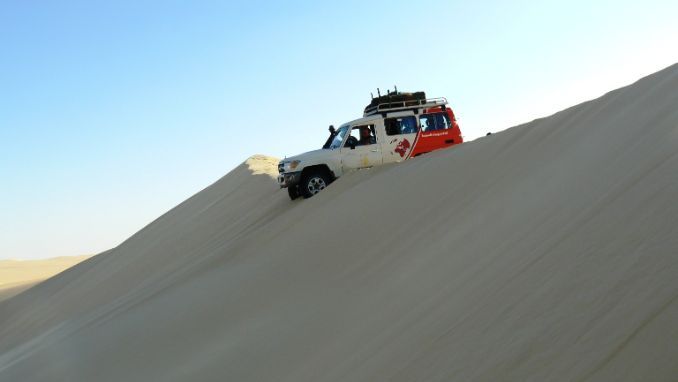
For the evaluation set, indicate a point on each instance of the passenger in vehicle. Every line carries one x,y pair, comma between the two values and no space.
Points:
426,124
366,137
408,125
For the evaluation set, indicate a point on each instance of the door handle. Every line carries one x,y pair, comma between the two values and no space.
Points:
374,151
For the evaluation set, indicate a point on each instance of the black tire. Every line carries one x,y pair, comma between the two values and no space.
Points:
313,182
293,192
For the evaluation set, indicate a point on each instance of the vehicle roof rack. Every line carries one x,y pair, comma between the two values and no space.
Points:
401,105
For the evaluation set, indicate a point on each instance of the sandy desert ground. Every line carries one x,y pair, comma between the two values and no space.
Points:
546,252
18,275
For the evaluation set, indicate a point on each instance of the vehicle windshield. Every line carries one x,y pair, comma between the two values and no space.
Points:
339,137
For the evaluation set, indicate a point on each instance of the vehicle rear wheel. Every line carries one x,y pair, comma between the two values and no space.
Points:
312,183
293,192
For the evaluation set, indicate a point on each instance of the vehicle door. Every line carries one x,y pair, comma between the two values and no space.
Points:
399,136
361,149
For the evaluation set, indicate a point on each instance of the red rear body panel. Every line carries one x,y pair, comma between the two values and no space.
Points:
427,141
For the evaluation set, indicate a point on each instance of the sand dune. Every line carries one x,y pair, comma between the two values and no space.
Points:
19,275
545,252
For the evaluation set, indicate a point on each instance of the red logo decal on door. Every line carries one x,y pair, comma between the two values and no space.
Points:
402,147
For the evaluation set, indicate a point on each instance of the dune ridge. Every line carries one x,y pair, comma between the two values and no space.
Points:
543,252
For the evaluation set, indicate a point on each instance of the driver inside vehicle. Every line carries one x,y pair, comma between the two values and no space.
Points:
366,137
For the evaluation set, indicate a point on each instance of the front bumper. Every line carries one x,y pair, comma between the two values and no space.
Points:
289,179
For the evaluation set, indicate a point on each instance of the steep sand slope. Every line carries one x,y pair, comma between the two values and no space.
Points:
546,252
19,275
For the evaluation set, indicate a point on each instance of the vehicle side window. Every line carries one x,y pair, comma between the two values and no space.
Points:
428,122
434,121
401,125
442,121
362,135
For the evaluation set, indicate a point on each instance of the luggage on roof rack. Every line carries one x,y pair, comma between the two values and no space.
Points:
395,100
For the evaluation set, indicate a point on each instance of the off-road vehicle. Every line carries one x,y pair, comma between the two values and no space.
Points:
394,127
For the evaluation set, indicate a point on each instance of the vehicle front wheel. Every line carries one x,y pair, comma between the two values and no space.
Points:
312,183
293,192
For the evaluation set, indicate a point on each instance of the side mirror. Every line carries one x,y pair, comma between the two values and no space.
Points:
351,142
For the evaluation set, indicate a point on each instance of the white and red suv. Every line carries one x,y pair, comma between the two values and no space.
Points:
394,127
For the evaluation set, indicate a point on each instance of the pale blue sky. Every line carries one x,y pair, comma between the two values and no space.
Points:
111,113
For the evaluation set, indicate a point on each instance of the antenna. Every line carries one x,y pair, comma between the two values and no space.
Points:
371,95
396,88
378,92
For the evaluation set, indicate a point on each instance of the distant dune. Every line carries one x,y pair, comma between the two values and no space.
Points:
19,275
545,252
